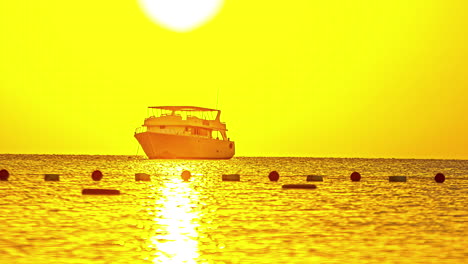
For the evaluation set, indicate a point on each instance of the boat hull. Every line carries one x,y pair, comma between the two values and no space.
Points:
168,146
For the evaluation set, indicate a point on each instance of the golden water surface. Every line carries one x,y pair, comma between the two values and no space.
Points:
207,220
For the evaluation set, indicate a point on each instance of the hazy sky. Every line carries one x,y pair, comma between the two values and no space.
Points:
295,78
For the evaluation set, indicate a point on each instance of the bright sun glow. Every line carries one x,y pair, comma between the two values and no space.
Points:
181,15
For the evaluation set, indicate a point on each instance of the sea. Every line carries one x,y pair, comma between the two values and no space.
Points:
254,220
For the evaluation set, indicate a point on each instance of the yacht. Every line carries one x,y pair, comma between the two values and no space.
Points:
184,132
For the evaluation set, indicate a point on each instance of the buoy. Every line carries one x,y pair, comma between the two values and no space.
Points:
51,177
314,178
397,178
4,174
273,176
231,177
299,186
100,192
186,175
355,176
96,175
440,177
142,177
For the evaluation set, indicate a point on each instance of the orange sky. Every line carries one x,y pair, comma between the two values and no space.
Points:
302,78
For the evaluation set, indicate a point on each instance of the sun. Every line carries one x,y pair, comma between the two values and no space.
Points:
181,15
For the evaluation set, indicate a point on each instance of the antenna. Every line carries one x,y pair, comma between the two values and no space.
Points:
217,96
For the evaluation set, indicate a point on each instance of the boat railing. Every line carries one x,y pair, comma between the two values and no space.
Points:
141,129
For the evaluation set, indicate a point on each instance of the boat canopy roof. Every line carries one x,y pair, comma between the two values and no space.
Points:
183,108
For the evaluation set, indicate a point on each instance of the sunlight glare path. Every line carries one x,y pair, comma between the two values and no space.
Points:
177,241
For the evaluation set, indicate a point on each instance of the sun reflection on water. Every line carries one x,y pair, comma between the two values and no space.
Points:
176,238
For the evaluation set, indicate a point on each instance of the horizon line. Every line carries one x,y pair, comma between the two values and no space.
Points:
242,156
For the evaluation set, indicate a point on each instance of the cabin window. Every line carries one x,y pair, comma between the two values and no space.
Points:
162,127
203,132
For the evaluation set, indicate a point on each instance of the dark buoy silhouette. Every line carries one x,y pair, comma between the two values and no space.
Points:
299,186
397,178
230,177
355,176
314,178
100,192
142,177
440,177
96,175
51,177
4,174
273,176
186,175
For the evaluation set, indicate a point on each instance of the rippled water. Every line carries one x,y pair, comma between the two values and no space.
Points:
207,220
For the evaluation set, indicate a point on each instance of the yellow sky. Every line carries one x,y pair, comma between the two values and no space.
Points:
296,78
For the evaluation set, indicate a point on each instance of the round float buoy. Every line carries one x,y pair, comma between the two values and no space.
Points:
314,178
273,176
355,176
440,177
299,186
100,192
96,175
230,177
186,175
4,174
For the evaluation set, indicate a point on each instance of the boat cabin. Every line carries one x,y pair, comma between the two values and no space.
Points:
185,120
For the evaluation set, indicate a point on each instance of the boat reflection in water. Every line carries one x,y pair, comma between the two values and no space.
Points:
176,238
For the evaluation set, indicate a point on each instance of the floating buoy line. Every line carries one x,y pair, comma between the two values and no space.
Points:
186,175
